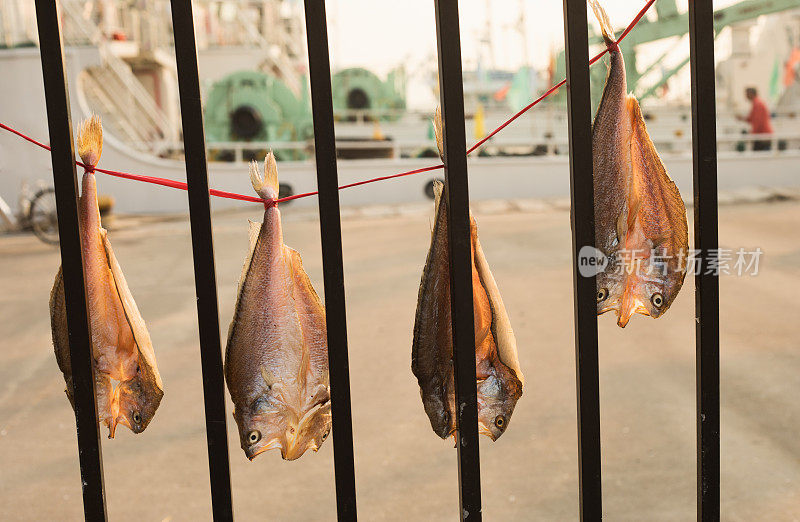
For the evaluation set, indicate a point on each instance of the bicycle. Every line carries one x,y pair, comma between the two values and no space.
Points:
37,213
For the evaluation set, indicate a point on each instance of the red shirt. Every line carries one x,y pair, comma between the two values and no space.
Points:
759,118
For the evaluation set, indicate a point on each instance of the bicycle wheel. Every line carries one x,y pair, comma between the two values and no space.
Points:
43,217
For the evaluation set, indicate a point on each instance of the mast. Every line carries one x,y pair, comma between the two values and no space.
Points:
522,28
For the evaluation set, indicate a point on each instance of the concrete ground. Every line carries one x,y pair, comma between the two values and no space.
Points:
403,471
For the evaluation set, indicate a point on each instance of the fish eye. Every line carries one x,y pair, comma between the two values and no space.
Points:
254,436
602,294
500,422
657,300
325,435
136,417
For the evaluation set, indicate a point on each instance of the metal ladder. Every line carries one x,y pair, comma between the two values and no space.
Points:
126,105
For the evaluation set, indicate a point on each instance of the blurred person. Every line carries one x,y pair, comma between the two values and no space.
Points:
759,119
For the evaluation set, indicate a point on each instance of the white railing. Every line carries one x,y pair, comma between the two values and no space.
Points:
545,147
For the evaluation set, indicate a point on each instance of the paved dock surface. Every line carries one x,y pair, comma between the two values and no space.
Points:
405,472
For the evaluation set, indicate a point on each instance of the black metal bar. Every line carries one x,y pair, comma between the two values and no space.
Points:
706,241
332,266
65,179
205,279
582,216
448,38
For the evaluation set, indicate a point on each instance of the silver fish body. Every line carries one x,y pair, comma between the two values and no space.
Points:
276,362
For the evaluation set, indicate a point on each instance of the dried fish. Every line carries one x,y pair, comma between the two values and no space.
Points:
640,218
276,362
499,378
127,383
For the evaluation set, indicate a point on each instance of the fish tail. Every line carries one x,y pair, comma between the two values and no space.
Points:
266,186
605,23
90,140
438,186
437,130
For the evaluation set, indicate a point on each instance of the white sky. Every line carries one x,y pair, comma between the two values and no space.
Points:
380,34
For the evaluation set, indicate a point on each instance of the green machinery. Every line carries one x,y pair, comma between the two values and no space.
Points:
358,89
670,23
252,106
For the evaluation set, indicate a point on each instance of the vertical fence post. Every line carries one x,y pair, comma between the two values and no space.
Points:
66,186
332,266
585,289
205,280
448,37
706,242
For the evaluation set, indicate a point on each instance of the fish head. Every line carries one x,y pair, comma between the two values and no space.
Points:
648,294
610,287
653,292
131,403
438,409
497,396
646,285
139,398
274,420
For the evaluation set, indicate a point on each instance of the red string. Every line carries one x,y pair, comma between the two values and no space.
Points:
232,195
382,178
24,137
635,21
561,83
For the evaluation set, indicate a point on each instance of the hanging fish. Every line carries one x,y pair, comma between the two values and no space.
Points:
499,379
276,361
127,383
640,218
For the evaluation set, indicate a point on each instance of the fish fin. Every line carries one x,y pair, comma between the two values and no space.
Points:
311,313
622,227
269,378
634,204
90,140
254,230
271,172
659,202
437,130
266,186
501,324
605,23
137,324
58,324
438,190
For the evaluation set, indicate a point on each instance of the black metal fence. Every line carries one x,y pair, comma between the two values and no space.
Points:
452,101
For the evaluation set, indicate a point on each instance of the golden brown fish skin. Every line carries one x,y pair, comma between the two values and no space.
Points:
499,388
640,219
432,346
276,362
128,389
